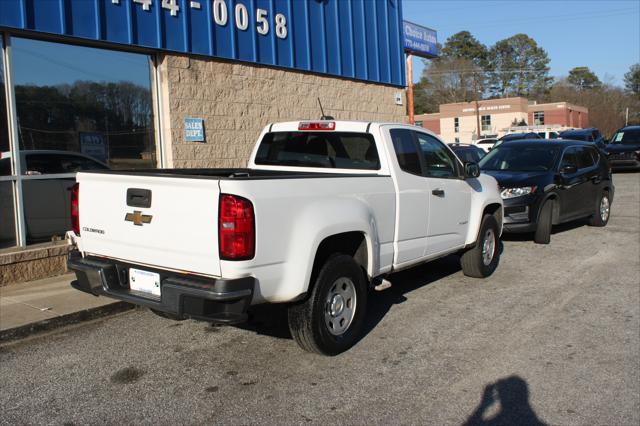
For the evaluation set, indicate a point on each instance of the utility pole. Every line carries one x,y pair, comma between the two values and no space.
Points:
410,89
626,117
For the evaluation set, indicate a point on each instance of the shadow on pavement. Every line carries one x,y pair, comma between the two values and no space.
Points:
557,229
505,402
271,320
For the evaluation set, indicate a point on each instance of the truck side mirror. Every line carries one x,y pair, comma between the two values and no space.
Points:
471,169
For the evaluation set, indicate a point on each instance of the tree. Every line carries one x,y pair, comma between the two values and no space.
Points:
583,78
447,80
518,67
463,45
632,80
607,103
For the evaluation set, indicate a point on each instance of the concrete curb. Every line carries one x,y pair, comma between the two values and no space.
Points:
23,331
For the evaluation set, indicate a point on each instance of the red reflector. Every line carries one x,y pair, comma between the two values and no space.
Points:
236,228
75,208
317,125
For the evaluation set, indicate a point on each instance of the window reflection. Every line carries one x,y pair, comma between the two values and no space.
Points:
78,108
7,219
4,127
85,100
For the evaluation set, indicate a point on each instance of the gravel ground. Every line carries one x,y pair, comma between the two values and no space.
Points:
553,337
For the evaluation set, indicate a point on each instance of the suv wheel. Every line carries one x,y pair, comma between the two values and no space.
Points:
601,216
482,260
330,320
545,223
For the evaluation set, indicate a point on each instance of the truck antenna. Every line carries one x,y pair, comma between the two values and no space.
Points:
323,117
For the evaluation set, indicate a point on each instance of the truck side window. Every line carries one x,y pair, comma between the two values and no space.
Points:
437,157
406,151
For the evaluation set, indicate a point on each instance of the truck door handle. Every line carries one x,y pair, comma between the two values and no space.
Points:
438,192
138,197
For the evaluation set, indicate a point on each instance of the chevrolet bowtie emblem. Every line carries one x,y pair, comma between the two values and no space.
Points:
138,218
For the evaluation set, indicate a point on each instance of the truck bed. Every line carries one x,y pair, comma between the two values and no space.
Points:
228,174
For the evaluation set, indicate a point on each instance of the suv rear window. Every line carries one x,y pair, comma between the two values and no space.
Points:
334,150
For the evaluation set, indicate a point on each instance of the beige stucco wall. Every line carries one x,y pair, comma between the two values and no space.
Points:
468,126
237,100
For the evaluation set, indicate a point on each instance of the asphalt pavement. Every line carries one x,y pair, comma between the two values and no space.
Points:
552,337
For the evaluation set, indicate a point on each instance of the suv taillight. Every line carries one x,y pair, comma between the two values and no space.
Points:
75,208
236,228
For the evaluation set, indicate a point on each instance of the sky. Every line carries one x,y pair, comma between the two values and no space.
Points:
602,35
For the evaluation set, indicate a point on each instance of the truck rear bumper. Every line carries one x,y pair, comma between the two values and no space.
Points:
185,296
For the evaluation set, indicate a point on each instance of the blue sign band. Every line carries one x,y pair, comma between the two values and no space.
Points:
358,39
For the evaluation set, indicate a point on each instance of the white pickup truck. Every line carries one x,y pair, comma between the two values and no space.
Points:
323,213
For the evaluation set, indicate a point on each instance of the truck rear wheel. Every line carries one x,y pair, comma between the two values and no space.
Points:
329,321
481,260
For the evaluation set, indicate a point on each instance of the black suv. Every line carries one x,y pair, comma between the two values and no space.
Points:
545,184
624,149
588,135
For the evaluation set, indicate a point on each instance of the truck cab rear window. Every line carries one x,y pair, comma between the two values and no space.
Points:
332,150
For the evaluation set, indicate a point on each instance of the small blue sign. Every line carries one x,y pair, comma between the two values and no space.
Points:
94,145
419,40
193,129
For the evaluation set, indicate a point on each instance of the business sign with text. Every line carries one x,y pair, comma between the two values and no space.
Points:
419,40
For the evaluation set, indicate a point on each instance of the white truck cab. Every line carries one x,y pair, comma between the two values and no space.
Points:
324,211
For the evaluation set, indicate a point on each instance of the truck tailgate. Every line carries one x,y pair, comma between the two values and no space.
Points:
178,231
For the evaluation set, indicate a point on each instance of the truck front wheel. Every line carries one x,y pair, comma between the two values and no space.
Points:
329,321
481,260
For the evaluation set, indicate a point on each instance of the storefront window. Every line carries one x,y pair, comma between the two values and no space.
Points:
7,219
78,108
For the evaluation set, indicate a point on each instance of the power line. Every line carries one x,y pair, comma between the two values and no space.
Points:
547,18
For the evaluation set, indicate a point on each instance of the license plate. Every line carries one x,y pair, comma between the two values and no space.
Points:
144,281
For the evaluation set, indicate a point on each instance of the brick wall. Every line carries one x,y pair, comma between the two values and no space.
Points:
432,124
237,100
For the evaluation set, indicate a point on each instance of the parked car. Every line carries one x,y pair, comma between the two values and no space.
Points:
551,183
467,153
624,149
547,134
486,144
46,201
588,135
516,137
324,212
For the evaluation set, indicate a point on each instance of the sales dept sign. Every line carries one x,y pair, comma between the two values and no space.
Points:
193,129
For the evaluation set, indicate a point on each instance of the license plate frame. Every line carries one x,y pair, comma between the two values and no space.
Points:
144,281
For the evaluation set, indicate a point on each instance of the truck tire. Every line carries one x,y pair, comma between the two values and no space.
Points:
329,321
601,216
481,260
545,223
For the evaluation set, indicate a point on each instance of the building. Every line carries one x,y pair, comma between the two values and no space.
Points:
169,83
458,122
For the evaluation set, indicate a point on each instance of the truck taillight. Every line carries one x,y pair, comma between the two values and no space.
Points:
236,228
75,208
317,125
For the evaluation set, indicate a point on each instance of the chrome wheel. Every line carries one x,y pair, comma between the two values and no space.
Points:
340,306
604,208
488,247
